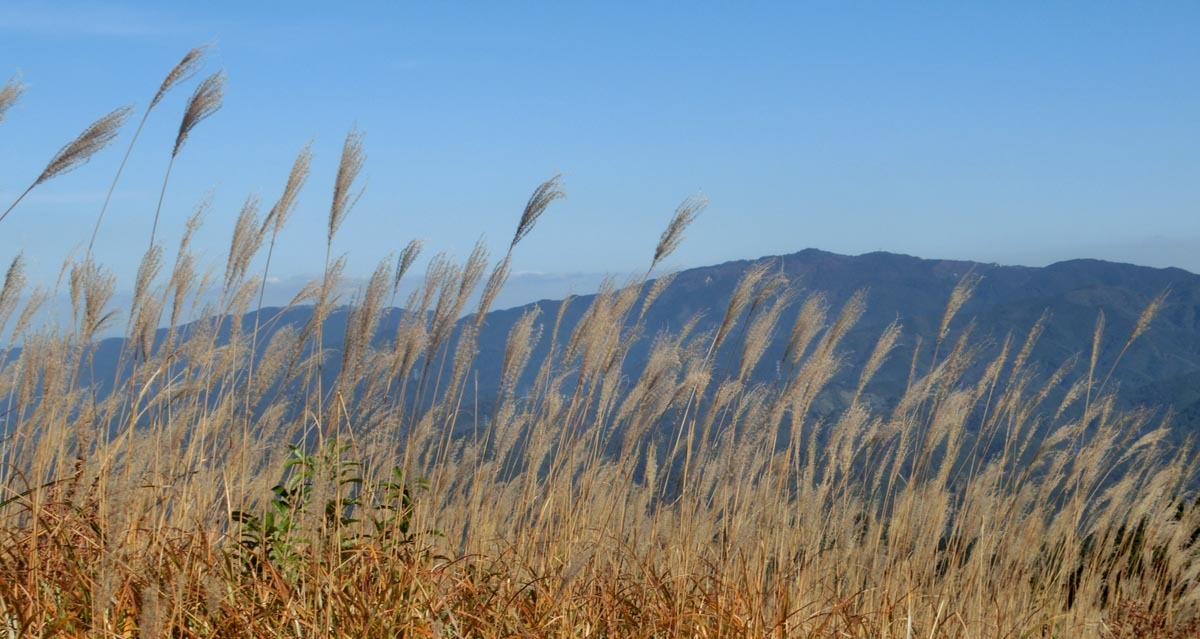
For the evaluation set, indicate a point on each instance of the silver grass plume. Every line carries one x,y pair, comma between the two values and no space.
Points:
14,283
1147,316
883,348
205,101
1139,328
405,262
183,274
542,196
33,303
344,196
1097,333
247,239
685,214
1031,340
93,139
656,289
9,94
758,336
492,288
146,273
182,72
959,296
277,217
472,271
297,177
521,340
738,302
852,311
809,322
76,153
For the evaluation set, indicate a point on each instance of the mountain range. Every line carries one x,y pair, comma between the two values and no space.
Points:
1160,369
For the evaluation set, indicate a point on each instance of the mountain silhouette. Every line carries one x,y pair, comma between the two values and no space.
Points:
1160,369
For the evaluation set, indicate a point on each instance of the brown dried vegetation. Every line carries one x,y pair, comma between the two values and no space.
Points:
214,488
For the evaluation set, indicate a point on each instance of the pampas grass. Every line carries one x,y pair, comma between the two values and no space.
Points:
673,235
219,485
77,152
181,72
9,94
542,196
344,194
205,101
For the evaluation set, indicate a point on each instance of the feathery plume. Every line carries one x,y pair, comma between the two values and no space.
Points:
542,196
146,273
98,288
9,94
405,261
1096,335
1147,316
684,215
883,348
1031,340
361,325
14,282
297,177
492,288
851,312
759,334
78,151
522,338
344,197
34,303
1139,328
959,296
183,71
205,101
738,302
809,322
656,289
81,149
247,239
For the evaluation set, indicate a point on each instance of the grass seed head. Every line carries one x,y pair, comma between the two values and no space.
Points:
182,72
543,195
344,195
93,139
205,101
9,94
283,208
405,261
685,214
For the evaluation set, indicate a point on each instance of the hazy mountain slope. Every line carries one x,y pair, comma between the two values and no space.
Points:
1162,367
1008,299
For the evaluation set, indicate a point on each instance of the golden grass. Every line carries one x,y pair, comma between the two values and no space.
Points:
215,493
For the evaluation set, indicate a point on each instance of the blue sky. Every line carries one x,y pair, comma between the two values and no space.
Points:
1017,133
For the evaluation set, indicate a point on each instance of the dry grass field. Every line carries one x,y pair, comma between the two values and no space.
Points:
214,493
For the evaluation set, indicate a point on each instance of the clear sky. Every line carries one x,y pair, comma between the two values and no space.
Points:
1010,132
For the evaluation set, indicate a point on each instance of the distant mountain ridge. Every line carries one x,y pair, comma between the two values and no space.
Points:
1161,368
1158,367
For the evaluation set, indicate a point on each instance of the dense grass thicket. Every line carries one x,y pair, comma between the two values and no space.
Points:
218,493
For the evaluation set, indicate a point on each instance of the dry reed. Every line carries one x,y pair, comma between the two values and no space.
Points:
213,487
